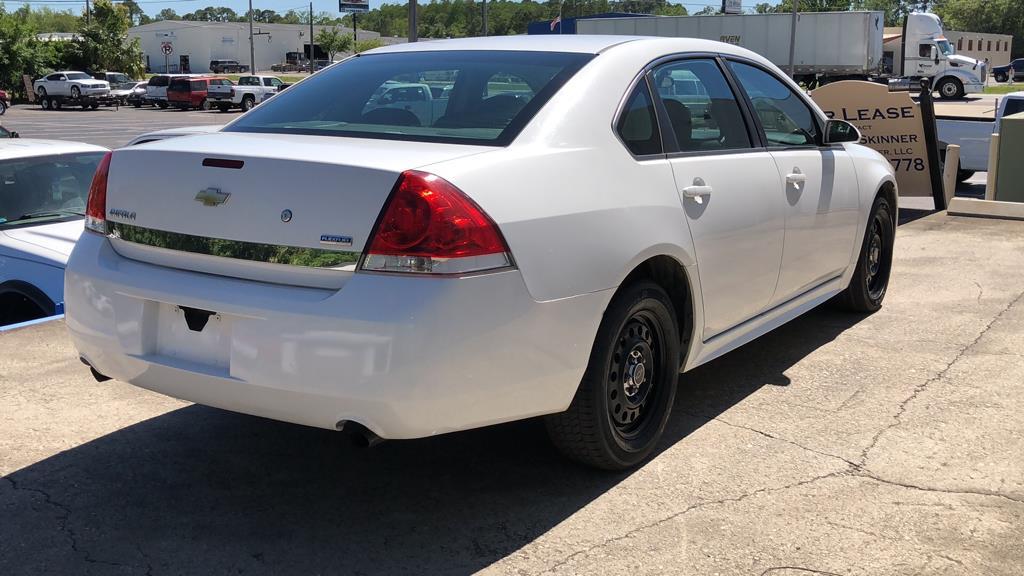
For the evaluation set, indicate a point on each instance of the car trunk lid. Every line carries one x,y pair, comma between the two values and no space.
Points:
279,208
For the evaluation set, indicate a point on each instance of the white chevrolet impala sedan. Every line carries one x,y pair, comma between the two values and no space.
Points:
439,236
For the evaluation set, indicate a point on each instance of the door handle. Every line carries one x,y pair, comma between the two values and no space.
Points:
797,177
697,191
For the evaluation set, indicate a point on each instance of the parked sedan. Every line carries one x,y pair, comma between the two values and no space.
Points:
567,254
43,188
71,84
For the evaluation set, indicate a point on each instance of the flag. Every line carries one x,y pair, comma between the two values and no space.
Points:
556,22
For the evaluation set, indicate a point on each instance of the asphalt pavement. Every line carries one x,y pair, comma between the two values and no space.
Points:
109,127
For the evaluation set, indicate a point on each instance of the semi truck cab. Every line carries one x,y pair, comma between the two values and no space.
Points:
928,54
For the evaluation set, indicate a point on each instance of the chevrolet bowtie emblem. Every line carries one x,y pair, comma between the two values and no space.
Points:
212,197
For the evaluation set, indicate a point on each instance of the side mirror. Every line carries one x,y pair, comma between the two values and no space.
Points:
837,131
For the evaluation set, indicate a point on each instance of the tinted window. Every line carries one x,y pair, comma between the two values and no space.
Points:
391,96
786,119
248,81
638,124
179,85
79,76
701,108
47,188
199,85
1013,107
159,81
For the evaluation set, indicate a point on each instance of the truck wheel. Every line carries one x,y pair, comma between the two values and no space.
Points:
224,107
247,103
161,104
76,92
57,104
1001,78
137,104
950,89
85,105
45,103
3,107
95,105
205,106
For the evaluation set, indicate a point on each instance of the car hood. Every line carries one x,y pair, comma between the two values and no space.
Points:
45,243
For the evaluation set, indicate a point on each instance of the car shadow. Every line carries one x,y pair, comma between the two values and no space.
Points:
199,490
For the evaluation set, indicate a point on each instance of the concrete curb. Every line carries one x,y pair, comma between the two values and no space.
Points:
986,208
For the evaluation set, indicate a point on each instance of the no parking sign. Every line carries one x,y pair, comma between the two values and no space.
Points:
167,48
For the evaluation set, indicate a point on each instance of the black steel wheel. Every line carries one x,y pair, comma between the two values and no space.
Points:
871,277
623,403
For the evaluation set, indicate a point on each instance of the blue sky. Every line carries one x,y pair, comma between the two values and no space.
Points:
185,6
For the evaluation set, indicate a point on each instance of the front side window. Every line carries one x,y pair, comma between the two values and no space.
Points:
700,106
198,85
787,120
638,124
392,96
41,189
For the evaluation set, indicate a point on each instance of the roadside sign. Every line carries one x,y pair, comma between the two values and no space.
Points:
358,6
732,7
167,48
889,122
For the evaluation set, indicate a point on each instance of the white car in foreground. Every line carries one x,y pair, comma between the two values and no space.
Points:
564,240
43,189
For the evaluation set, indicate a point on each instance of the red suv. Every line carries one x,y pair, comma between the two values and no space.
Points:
190,93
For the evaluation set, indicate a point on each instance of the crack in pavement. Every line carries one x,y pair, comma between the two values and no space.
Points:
554,567
800,568
898,416
864,473
62,522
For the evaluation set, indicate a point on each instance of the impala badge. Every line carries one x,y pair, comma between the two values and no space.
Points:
212,197
335,240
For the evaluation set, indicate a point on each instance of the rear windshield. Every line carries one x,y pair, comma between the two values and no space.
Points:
248,81
159,80
40,189
476,97
1014,106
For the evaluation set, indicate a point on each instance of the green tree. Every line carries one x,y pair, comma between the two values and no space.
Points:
994,16
104,43
167,14
333,41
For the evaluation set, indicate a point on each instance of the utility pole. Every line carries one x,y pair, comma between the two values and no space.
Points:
252,47
413,33
88,20
355,26
485,17
792,40
312,63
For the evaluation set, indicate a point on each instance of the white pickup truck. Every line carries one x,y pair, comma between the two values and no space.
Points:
248,92
973,134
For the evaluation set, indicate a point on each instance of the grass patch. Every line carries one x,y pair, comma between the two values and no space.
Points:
1004,88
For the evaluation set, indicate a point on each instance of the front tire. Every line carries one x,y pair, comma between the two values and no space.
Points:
623,403
1001,78
871,278
76,92
950,89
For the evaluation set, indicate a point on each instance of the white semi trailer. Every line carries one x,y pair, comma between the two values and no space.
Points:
829,45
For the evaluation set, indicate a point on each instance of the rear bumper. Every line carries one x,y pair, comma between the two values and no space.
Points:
405,356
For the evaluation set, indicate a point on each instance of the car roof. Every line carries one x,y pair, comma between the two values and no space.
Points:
11,149
578,43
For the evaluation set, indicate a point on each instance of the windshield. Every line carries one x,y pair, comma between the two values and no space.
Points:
945,47
478,97
34,190
79,76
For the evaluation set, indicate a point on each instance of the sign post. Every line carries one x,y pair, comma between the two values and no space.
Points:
895,126
355,7
167,48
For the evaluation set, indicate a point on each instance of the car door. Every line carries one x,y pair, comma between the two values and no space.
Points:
819,183
729,188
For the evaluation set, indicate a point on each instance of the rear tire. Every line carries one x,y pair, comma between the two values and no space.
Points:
161,104
247,103
205,106
621,407
3,107
45,102
871,278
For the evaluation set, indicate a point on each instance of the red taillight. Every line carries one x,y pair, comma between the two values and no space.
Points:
429,225
96,206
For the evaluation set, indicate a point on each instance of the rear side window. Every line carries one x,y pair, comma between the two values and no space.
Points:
392,96
701,108
248,81
179,85
638,124
159,81
198,85
787,120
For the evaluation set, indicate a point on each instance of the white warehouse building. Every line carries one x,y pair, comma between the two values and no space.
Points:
179,46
